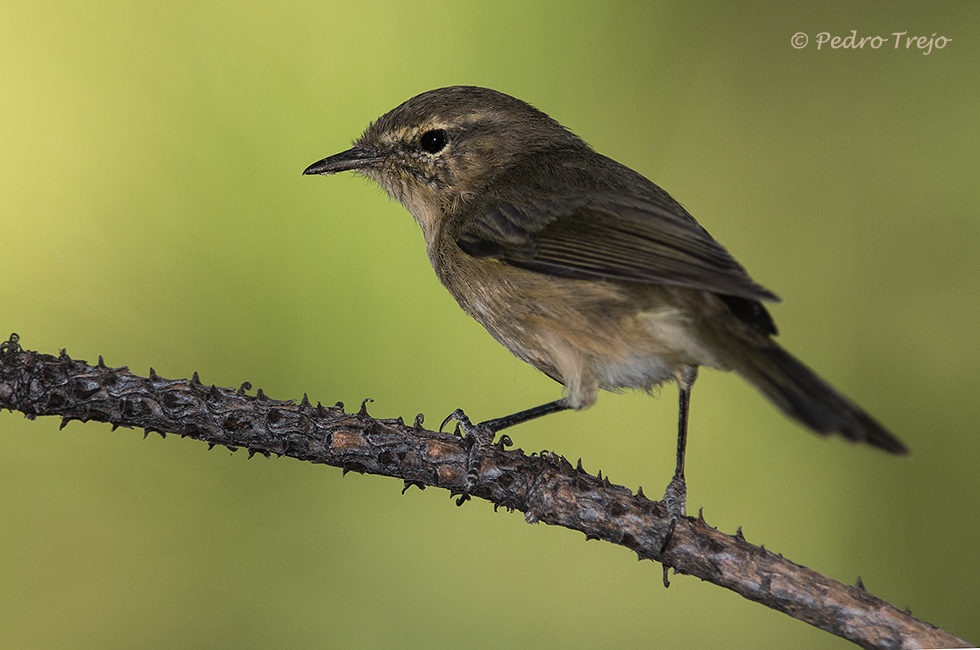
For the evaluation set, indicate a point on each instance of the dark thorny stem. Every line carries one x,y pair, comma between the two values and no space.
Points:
545,487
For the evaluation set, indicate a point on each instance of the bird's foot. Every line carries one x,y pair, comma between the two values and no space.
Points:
479,438
675,498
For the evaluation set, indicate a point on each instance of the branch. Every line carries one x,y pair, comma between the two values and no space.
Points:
546,487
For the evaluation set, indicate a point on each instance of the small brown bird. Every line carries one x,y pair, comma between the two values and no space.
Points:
580,266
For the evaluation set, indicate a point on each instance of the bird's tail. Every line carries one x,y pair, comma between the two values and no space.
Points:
805,397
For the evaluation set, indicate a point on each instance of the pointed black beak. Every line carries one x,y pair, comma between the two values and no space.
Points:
356,158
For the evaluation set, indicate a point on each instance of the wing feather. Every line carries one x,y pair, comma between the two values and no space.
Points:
608,236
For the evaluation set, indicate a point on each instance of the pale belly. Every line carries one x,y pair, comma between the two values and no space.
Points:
589,335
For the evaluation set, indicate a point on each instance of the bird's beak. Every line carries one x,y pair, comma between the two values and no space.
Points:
356,158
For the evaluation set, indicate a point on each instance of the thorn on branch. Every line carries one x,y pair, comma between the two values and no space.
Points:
505,442
352,467
409,483
11,345
363,411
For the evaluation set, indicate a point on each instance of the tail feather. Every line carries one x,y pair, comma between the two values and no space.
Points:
804,396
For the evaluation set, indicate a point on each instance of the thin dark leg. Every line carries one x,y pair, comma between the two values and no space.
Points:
675,498
687,381
507,421
482,435
499,424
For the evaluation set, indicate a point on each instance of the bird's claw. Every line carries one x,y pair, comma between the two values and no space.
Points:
675,498
461,420
478,438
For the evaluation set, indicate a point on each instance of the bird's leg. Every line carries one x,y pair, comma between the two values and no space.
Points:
480,437
675,498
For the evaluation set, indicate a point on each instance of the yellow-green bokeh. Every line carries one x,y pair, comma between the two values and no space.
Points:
152,211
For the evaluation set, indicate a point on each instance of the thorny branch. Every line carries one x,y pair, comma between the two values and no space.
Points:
546,487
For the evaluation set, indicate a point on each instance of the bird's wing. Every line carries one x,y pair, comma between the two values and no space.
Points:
607,236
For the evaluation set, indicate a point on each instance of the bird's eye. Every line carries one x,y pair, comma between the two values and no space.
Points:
433,141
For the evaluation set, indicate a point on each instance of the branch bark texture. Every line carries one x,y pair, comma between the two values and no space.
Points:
546,488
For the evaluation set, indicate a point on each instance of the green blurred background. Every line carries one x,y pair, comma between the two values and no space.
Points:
152,211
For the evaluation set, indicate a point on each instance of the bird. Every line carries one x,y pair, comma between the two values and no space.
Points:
581,267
